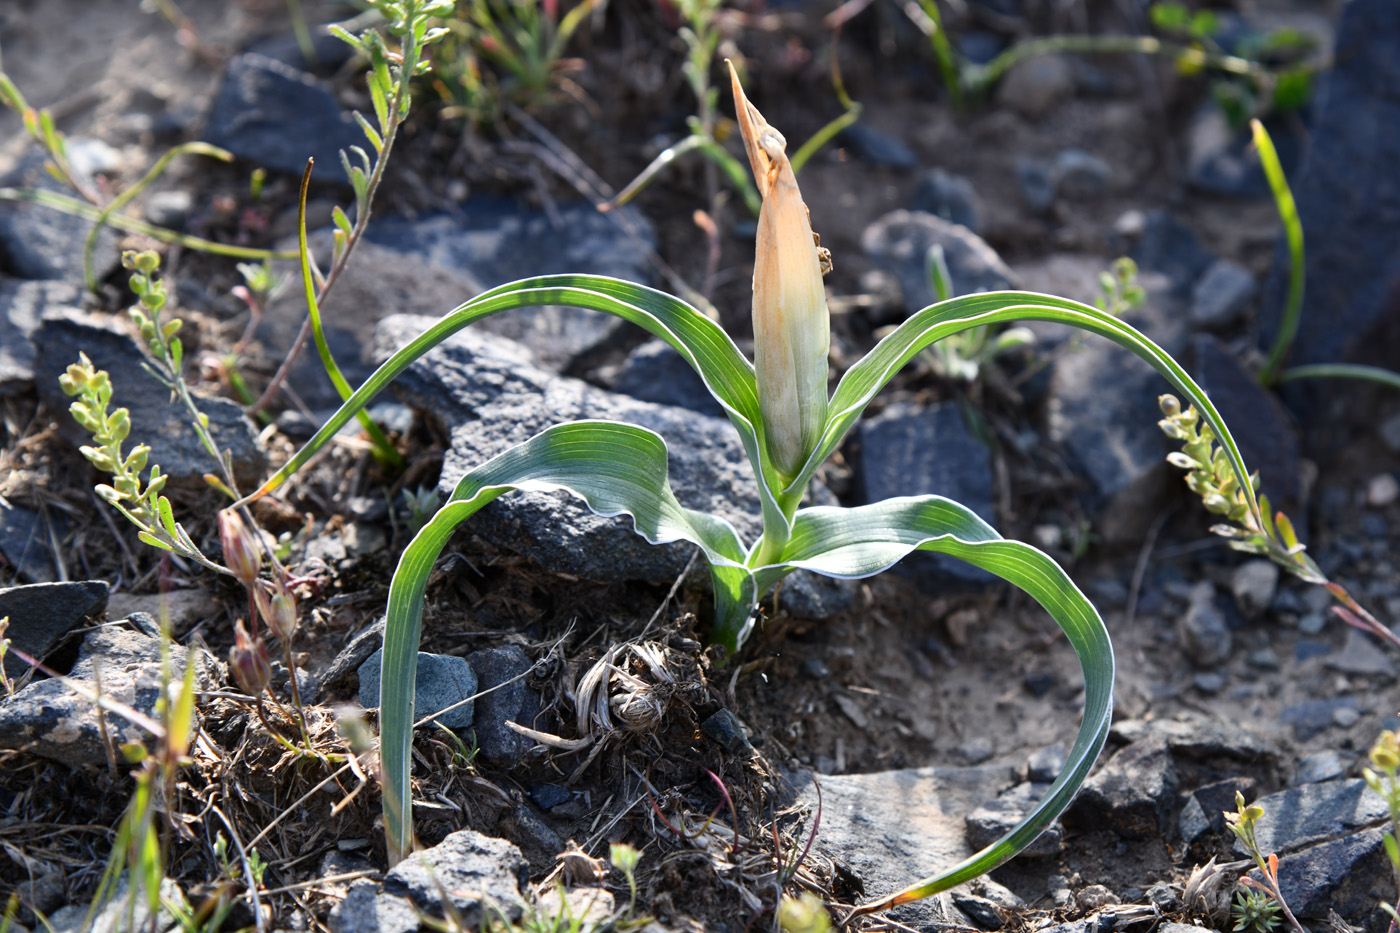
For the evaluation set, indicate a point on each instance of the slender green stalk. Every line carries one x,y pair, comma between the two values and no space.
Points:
384,451
1293,231
823,136
948,62
121,200
1379,374
79,208
978,78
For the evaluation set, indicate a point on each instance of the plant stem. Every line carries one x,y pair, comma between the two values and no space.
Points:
1293,231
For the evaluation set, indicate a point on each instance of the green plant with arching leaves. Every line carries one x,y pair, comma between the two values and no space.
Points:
788,425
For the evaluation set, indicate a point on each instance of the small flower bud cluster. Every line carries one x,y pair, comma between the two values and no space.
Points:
151,293
248,661
1211,476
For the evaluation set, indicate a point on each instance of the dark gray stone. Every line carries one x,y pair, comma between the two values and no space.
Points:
443,681
1259,423
905,451
1170,247
1036,179
169,209
330,53
1035,86
496,241
467,874
1133,794
1303,816
1320,766
1079,175
278,117
1207,743
1102,409
1205,807
22,306
1348,197
1253,584
1221,295
1363,656
156,419
515,701
488,393
62,724
38,242
24,542
1204,635
655,372
1349,876
42,614
899,243
991,821
367,909
894,827
1045,765
874,147
949,196
1220,159
726,729
1313,716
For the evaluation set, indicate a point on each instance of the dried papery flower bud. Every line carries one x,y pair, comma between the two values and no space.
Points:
248,661
278,607
791,323
241,552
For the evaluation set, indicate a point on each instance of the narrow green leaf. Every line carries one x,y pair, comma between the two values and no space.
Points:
615,469
863,380
701,342
859,542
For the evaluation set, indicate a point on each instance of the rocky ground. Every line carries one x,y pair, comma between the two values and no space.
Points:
882,729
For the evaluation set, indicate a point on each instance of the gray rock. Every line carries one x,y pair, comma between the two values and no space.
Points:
1221,295
42,614
278,117
487,392
906,451
1034,86
655,372
156,419
38,242
169,209
1348,877
1313,716
1133,794
1320,766
899,243
1390,433
514,701
1205,808
63,726
1253,585
991,821
495,241
22,306
729,732
1102,409
1079,175
874,147
443,681
471,875
1302,816
977,749
124,911
25,541
1208,743
1363,656
888,847
1220,160
1258,422
330,52
1045,764
1348,197
1170,247
949,196
1036,180
1204,635
348,661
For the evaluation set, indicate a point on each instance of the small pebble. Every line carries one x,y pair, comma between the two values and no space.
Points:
816,669
1321,766
1382,490
1312,623
1210,683
1345,717
977,750
1265,659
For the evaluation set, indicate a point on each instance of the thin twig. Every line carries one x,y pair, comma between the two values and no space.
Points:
247,869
